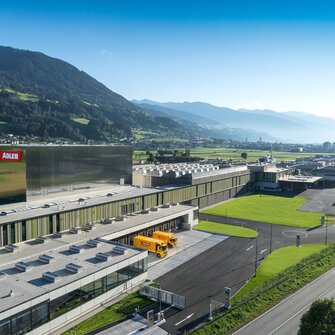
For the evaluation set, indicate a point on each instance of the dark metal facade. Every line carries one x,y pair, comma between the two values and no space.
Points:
12,177
51,169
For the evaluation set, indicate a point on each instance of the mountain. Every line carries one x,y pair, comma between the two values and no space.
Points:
203,126
47,97
288,127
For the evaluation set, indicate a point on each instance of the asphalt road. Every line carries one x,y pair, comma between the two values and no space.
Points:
284,318
229,264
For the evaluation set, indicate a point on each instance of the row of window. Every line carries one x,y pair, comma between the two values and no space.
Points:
36,316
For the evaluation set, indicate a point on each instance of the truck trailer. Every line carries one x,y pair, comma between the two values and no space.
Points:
151,244
166,237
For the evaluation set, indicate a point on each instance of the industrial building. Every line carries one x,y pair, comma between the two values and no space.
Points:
32,172
49,285
69,214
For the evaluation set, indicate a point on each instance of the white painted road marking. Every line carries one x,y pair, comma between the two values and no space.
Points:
262,251
250,248
302,309
189,316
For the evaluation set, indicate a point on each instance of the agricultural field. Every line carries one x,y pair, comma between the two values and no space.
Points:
22,96
226,229
82,121
253,155
233,154
268,208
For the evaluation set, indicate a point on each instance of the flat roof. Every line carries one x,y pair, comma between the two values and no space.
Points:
29,285
300,179
116,228
25,211
219,172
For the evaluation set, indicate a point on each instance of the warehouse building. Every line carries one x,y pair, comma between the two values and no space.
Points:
36,172
43,290
58,212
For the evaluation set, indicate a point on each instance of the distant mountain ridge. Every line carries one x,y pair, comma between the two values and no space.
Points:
287,126
47,97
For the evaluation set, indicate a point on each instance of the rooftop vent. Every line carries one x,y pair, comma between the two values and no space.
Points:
120,218
93,243
103,256
75,231
46,259
50,277
22,266
76,249
120,250
12,248
166,206
73,268
42,239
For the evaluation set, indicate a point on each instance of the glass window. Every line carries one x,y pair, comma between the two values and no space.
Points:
98,287
39,315
5,326
123,276
65,303
24,231
112,281
21,323
87,292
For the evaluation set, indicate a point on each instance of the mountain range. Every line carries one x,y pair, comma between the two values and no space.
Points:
47,97
294,127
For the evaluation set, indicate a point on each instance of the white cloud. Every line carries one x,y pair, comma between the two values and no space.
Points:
106,53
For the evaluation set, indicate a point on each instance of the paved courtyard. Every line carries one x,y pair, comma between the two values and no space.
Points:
322,201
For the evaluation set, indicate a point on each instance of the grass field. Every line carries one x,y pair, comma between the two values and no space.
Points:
275,263
269,208
228,153
122,308
253,155
226,229
81,120
22,96
242,314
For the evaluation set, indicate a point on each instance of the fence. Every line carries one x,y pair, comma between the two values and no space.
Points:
280,279
157,294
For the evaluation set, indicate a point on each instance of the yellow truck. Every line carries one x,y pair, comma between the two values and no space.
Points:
166,237
151,244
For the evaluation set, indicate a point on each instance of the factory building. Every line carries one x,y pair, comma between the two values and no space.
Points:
36,172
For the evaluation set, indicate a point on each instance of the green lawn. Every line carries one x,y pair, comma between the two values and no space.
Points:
226,229
81,120
122,308
22,96
275,263
253,155
269,208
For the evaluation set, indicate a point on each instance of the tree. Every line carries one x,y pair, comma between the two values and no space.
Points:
244,155
319,319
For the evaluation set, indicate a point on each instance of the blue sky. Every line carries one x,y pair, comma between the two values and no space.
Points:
254,54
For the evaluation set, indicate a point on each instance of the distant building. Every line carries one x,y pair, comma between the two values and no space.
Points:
326,146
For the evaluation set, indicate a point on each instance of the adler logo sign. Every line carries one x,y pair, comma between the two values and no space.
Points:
14,156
